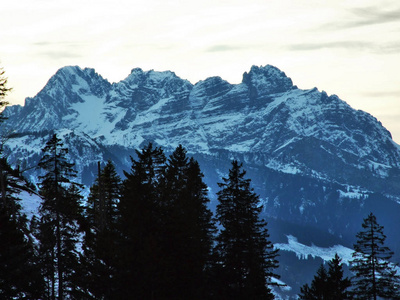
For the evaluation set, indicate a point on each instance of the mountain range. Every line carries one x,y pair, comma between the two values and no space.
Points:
319,165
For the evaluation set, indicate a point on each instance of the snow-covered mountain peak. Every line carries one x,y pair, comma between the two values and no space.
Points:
68,83
136,71
70,75
267,80
67,72
54,106
210,88
211,84
155,78
136,76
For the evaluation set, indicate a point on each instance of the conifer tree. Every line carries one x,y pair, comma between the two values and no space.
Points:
189,227
140,264
10,185
338,285
166,227
60,217
319,286
4,90
20,276
375,276
104,198
99,245
328,285
245,258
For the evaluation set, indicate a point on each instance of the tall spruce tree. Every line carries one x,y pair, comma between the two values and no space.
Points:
4,90
245,258
140,261
166,227
328,285
58,228
20,276
104,197
189,228
375,276
99,246
338,285
319,287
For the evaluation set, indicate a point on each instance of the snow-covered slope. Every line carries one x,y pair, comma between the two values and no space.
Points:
304,251
265,115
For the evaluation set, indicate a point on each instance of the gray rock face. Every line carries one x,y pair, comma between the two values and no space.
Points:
266,117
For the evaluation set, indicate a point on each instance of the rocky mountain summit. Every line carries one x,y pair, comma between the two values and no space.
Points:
266,117
318,165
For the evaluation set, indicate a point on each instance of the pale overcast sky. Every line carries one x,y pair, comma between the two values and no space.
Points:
348,48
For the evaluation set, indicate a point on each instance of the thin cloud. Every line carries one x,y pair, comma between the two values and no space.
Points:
388,48
68,44
340,44
223,48
42,44
382,94
374,16
58,50
363,16
59,54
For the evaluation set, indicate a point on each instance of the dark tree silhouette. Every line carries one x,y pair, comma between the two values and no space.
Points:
166,228
60,215
328,285
375,276
189,227
245,258
99,246
4,90
140,263
20,276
